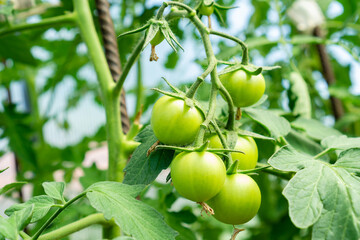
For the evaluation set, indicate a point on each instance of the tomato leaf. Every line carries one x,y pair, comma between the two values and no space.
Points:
340,142
277,126
314,129
42,205
7,229
321,194
299,96
55,190
11,186
117,201
143,169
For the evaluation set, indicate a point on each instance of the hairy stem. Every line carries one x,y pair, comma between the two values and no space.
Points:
115,137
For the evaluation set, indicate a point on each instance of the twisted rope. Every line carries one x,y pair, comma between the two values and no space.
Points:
112,54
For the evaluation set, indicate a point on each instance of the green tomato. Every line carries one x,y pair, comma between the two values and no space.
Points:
173,122
198,176
245,89
206,10
238,201
245,144
158,38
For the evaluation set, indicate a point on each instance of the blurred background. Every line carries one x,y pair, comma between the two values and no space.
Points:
52,117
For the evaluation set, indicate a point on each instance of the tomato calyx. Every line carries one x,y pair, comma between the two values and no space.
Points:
233,168
248,68
158,30
177,93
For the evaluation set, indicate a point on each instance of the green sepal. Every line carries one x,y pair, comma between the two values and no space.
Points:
153,29
219,17
202,148
231,139
250,68
169,36
175,89
140,29
233,168
221,7
255,170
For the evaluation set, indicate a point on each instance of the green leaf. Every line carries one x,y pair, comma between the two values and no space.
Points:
55,190
299,96
340,142
21,218
288,159
277,126
3,170
42,205
314,129
11,186
143,169
16,127
321,194
7,229
17,48
117,200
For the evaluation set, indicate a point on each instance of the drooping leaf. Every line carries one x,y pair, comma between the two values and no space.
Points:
117,200
314,128
11,186
299,96
42,205
277,126
340,142
321,194
55,190
143,169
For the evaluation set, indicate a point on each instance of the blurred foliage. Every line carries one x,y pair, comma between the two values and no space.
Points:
24,57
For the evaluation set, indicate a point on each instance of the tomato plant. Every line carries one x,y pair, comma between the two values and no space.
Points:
245,89
238,201
246,144
198,176
174,122
69,92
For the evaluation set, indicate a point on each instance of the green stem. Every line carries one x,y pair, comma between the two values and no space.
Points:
134,56
115,138
191,92
323,153
229,160
51,219
139,88
45,23
231,120
245,57
210,114
96,218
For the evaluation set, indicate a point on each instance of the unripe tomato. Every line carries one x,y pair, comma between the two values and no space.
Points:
158,38
198,176
245,144
206,10
245,89
238,201
173,122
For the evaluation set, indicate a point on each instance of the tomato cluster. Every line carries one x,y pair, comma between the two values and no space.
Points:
200,175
